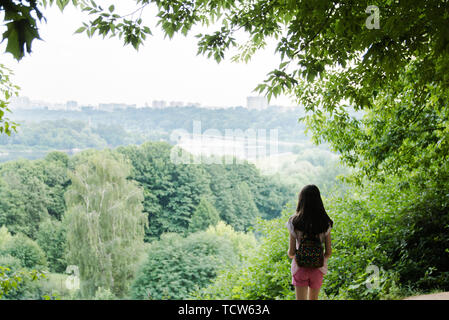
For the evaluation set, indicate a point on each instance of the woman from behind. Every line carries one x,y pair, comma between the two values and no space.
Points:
309,228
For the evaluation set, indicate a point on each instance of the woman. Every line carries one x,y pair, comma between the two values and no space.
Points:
310,220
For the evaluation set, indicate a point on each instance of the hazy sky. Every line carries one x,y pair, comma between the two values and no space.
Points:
73,67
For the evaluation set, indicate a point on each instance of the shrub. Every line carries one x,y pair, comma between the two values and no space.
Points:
26,250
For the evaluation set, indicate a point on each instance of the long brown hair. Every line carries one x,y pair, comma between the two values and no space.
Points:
311,217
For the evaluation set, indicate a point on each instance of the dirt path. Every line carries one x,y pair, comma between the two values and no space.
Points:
435,296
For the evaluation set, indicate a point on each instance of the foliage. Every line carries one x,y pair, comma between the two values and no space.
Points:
246,209
61,135
51,237
17,252
10,262
177,265
388,239
244,244
13,281
104,222
265,273
7,90
54,284
104,294
205,215
235,208
23,197
5,236
171,192
30,191
26,250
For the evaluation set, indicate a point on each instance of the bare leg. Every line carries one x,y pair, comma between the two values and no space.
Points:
301,293
313,294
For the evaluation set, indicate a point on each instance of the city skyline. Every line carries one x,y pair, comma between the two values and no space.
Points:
24,103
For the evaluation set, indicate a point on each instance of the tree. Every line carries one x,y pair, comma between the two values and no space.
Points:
51,237
205,215
104,222
172,191
55,176
245,208
31,191
23,197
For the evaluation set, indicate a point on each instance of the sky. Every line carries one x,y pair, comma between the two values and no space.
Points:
66,66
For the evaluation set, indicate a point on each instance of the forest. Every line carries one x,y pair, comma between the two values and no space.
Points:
119,220
138,203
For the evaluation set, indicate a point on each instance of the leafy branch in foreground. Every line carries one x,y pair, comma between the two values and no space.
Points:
11,280
7,90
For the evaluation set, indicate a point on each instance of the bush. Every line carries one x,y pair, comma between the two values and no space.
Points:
243,244
26,250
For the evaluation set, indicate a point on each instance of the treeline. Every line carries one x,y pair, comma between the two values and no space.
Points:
166,120
97,210
45,136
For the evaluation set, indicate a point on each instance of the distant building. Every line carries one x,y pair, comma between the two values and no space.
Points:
193,104
24,103
20,103
58,106
87,108
158,104
256,103
176,104
114,106
72,105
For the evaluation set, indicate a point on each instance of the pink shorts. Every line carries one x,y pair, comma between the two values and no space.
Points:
308,277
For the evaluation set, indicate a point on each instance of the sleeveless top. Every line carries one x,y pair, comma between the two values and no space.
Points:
297,235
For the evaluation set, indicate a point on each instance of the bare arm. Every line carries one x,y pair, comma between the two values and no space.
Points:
292,247
328,247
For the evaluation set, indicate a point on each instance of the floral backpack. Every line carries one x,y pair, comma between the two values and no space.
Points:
310,252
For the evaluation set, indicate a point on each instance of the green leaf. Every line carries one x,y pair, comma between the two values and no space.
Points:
80,30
